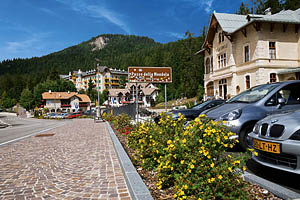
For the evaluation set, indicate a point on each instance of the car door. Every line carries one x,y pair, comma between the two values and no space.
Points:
291,95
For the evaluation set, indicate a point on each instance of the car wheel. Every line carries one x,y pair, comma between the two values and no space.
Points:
243,136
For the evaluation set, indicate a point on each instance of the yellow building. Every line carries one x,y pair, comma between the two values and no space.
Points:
242,51
108,78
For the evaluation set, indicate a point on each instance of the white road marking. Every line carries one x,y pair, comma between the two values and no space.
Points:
20,138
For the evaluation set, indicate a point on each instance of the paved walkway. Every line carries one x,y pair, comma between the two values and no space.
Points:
77,162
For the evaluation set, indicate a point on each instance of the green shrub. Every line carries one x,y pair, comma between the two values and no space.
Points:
191,159
121,121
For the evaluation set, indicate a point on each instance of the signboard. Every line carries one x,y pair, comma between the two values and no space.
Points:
150,74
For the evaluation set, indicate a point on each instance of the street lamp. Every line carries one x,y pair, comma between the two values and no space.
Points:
97,85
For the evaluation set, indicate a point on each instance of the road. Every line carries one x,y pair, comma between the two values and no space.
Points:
20,128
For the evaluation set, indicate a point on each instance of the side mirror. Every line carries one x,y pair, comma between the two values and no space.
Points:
281,102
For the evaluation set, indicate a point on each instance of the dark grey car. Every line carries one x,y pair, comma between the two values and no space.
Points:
276,139
242,111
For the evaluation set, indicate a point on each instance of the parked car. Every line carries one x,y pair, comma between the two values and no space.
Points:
276,138
89,112
75,114
50,116
191,114
243,111
1,110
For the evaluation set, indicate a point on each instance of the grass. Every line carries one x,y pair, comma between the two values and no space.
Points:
172,103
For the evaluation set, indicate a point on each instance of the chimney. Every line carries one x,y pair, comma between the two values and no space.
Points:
49,91
68,92
268,11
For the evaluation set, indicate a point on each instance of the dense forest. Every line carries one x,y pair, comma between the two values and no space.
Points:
120,51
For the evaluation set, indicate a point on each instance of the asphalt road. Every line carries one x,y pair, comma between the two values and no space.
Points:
20,128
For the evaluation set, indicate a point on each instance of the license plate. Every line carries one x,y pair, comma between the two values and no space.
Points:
266,146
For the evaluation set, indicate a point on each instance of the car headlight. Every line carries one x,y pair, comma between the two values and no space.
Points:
296,135
175,115
233,115
256,129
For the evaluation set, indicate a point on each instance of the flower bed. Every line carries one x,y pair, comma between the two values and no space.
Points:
178,162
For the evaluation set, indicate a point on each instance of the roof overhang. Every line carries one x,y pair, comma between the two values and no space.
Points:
288,71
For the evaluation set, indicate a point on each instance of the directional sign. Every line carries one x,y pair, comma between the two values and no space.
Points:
150,74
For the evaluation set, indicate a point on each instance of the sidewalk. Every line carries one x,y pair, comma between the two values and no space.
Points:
78,162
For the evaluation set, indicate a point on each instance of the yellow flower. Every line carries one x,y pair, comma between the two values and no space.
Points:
169,142
181,193
251,150
189,170
172,168
175,195
202,115
182,162
192,166
184,141
212,165
159,187
230,169
179,114
209,157
255,153
244,168
185,187
200,141
220,177
143,161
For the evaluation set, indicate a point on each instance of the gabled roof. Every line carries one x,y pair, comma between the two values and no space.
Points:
116,92
65,95
231,23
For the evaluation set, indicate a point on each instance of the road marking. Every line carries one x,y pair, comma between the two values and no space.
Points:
26,136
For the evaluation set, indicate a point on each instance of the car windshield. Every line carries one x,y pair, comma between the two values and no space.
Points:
254,94
199,106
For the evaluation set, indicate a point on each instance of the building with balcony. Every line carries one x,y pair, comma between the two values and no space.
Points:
242,51
65,101
147,94
102,78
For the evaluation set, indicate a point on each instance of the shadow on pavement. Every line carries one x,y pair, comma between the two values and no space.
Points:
285,179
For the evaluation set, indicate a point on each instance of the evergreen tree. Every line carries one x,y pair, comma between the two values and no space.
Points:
27,99
243,10
291,4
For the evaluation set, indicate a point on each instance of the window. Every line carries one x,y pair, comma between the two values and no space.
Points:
273,78
207,66
223,88
289,93
221,37
246,53
222,60
211,64
247,78
272,50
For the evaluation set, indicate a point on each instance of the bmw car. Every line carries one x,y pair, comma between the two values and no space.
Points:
276,141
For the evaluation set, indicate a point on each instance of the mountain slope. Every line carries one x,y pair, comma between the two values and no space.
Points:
116,51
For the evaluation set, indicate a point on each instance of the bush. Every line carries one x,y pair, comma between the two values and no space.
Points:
121,121
191,159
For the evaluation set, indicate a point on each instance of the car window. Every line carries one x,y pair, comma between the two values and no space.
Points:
254,94
199,106
290,93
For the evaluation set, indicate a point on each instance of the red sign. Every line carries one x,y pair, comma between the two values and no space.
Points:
150,74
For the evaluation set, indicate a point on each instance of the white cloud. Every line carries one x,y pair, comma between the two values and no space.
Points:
176,35
33,45
201,4
97,11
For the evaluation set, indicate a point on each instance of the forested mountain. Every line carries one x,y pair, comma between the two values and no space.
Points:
116,51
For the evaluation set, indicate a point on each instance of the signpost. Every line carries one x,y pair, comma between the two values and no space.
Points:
150,75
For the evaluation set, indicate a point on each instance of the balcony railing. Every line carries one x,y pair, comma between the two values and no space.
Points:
65,105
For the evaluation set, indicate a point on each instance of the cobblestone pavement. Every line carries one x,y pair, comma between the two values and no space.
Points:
77,162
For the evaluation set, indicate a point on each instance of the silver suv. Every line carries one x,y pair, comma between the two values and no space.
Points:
242,111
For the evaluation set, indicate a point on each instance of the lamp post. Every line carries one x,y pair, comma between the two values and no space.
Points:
97,85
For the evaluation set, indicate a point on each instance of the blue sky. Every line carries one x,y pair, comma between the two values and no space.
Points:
30,28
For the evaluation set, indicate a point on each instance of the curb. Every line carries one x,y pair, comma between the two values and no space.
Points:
137,188
276,189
